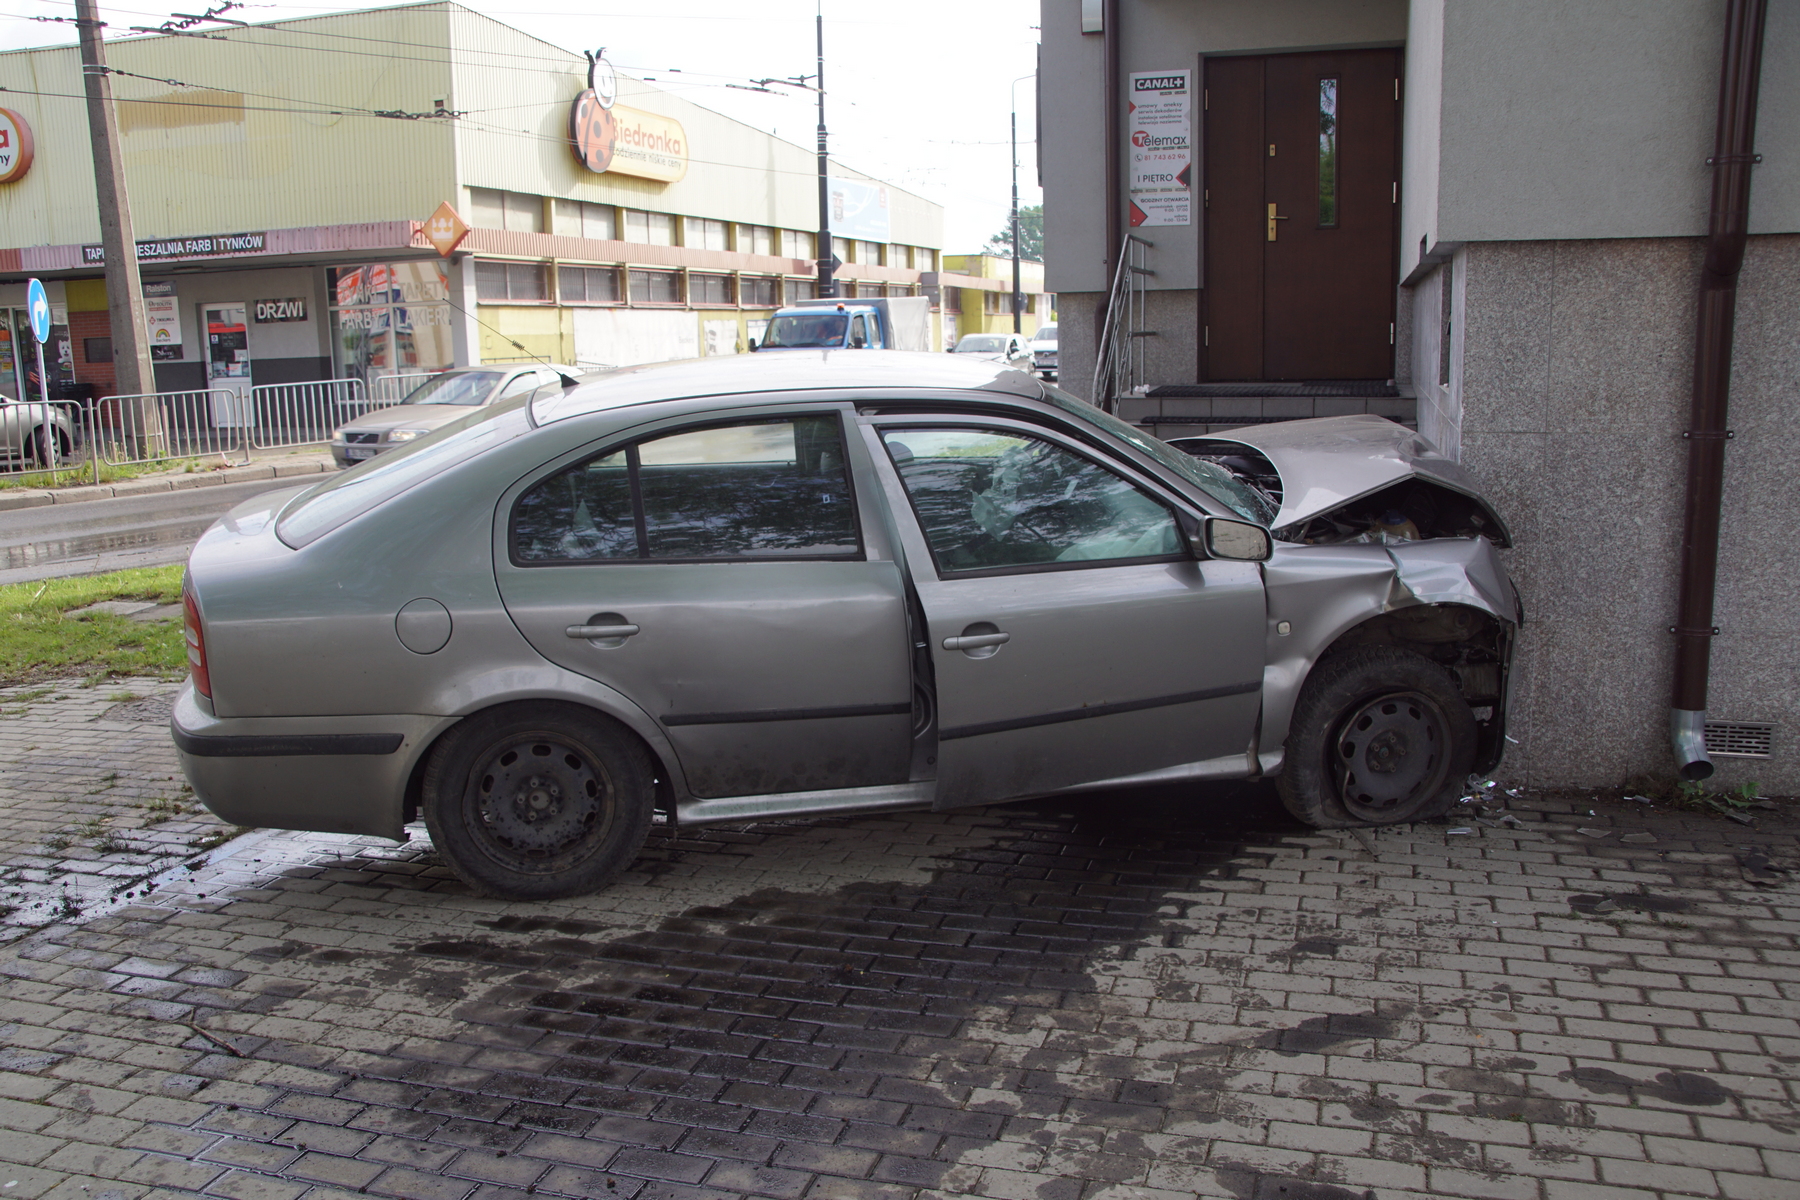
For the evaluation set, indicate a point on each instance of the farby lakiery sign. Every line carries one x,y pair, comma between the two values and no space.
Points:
15,146
1161,151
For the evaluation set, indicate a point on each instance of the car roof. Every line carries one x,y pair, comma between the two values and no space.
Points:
782,371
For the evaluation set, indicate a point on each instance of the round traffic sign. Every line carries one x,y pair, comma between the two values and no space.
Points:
38,305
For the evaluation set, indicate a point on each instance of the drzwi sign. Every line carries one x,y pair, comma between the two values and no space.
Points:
280,310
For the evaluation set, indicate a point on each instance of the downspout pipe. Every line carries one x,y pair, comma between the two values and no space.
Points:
1728,227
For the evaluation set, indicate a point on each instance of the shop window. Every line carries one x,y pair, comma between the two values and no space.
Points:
801,289
577,218
97,350
656,287
514,211
709,289
388,317
755,239
758,292
707,235
588,285
500,283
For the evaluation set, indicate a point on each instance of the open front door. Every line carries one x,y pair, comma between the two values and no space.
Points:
1302,216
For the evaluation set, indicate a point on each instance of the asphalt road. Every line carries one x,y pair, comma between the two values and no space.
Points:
109,535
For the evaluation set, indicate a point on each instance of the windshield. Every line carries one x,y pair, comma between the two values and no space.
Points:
1046,334
325,506
1214,480
455,387
981,343
808,329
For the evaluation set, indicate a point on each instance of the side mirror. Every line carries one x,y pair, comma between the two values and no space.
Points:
753,346
1235,541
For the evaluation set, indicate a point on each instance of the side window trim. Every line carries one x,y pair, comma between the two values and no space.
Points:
639,514
881,427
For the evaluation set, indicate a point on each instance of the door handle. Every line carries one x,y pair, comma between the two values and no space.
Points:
976,641
601,631
1273,217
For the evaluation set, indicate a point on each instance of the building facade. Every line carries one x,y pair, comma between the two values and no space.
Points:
983,303
281,176
1490,218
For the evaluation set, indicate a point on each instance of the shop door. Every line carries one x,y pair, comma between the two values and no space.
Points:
1302,215
228,363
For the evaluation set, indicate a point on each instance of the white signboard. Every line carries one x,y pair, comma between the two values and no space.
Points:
1161,154
162,321
860,210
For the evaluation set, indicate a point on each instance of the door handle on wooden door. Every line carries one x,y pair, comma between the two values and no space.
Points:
1273,217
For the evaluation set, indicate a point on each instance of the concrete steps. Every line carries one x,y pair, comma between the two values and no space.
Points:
1176,411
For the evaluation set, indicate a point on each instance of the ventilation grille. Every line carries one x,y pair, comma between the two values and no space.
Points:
1740,739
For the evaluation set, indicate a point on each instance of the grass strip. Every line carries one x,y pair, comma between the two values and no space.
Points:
39,640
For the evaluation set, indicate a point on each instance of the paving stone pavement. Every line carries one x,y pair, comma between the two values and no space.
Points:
93,807
1137,996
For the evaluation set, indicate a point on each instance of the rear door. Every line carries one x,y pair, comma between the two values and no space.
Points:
1073,638
718,574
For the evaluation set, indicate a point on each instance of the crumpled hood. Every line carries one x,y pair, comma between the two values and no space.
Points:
1329,461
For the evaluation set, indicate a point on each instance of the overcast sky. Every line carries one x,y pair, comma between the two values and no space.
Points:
919,91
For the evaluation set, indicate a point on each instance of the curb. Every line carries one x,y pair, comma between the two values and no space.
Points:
10,500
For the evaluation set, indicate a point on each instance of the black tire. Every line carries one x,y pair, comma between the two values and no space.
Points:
1380,736
538,800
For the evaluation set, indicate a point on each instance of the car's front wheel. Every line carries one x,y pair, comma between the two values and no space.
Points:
538,800
1380,736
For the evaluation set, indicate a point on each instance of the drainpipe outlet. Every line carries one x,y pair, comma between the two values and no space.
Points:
1687,729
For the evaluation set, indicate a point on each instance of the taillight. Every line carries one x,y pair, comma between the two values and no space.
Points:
196,640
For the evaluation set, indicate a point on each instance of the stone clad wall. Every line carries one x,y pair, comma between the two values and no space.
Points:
1576,375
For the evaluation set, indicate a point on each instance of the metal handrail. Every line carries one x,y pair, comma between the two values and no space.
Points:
1119,356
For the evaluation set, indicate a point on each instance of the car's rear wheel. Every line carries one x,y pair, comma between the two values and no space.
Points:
538,800
1380,736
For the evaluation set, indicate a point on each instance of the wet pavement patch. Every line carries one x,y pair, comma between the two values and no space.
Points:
1589,904
1671,1087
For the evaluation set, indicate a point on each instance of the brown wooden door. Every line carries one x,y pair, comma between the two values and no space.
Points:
1315,136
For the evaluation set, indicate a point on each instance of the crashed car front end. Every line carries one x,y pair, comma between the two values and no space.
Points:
1380,540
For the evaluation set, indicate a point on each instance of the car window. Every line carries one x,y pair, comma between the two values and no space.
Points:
524,385
776,488
455,387
859,334
980,343
990,499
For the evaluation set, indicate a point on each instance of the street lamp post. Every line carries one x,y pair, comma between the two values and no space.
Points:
827,284
1018,292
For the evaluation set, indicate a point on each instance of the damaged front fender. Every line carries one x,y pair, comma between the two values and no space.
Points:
1447,598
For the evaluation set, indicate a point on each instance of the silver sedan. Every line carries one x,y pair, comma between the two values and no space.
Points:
741,588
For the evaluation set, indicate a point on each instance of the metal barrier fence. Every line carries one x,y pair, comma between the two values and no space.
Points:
154,426
298,414
36,435
385,391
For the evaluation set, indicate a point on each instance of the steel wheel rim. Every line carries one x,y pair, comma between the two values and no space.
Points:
539,803
1390,754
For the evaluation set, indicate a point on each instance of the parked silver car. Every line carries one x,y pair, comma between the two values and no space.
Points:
750,587
1007,348
27,428
445,397
1043,351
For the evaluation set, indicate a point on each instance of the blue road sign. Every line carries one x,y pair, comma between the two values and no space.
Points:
38,304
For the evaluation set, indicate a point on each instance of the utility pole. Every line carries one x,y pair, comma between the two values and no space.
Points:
132,372
1018,296
827,285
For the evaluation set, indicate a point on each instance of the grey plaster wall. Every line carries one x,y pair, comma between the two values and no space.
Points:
1545,119
1575,377
1160,35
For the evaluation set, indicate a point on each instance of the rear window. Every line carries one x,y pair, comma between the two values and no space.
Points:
327,506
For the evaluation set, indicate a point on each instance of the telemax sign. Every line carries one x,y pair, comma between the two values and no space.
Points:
210,246
1161,150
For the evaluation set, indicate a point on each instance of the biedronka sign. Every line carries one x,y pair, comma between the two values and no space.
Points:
625,141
